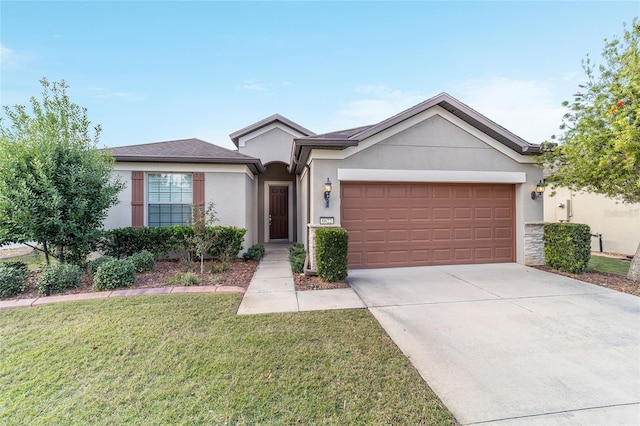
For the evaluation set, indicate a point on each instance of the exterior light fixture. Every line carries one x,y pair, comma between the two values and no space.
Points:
327,192
538,192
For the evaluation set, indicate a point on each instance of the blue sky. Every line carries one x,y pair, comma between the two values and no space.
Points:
158,70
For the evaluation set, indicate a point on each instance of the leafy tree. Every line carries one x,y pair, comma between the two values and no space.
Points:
55,186
599,149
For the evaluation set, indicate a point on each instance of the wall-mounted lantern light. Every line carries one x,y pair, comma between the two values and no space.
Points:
327,192
538,192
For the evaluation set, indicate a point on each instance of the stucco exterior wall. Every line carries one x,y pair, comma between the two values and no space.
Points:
273,145
618,223
251,211
433,144
302,207
232,188
119,215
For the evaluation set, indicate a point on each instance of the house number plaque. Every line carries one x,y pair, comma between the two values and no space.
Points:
326,220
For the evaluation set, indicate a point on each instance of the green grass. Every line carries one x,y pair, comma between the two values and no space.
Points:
189,360
607,264
34,260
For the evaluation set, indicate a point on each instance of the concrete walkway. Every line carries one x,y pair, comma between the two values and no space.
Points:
272,290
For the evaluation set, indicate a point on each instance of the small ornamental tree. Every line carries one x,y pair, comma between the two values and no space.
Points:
204,234
55,186
599,149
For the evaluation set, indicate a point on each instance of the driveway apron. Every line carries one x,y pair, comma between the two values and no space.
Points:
505,344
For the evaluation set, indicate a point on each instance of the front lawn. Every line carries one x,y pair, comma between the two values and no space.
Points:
188,359
609,264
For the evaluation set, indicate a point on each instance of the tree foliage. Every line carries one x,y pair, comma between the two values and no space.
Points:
599,149
55,185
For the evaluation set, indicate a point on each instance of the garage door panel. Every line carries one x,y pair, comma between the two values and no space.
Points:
441,213
460,234
483,233
410,224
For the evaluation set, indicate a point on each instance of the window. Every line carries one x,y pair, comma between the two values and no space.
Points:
170,196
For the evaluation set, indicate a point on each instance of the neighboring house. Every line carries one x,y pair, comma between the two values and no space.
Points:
436,184
616,222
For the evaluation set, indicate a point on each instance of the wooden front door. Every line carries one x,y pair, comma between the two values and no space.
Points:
278,212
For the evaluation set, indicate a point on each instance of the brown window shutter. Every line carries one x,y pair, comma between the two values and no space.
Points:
198,189
137,199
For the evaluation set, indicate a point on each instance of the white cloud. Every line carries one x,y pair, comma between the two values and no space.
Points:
103,93
376,103
253,85
9,58
530,109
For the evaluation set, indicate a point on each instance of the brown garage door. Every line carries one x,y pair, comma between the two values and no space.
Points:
412,224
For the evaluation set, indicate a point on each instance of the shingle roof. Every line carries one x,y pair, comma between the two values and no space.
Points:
184,151
341,140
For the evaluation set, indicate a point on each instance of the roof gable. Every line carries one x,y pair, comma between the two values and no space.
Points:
269,121
184,151
353,137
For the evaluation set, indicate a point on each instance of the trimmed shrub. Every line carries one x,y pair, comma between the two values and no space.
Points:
255,252
144,261
163,241
12,276
228,242
567,246
17,264
331,253
184,278
124,242
114,274
297,256
92,267
59,278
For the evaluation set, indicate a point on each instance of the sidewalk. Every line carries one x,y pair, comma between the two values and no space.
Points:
272,290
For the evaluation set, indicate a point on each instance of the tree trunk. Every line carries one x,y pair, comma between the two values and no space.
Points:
634,270
46,254
60,253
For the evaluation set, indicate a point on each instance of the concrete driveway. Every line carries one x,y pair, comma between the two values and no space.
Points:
504,344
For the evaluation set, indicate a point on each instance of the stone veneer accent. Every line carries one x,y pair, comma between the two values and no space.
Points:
311,246
534,243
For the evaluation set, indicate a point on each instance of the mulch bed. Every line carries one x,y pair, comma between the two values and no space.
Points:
238,274
603,279
313,282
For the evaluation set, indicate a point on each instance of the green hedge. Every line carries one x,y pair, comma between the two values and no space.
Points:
331,253
567,246
163,241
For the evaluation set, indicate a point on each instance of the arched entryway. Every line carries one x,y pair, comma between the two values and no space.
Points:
277,204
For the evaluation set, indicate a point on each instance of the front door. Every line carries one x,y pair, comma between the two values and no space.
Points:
278,212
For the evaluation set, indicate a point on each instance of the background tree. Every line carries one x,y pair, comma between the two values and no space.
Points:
599,150
55,185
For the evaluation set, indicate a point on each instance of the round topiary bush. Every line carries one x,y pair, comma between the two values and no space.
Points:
95,263
11,280
59,277
114,274
144,261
